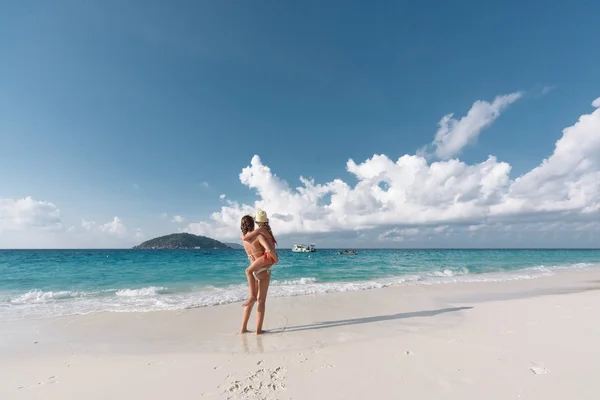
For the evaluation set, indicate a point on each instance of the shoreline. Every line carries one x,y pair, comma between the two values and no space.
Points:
39,304
531,338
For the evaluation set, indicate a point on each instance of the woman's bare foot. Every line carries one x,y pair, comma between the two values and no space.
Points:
249,302
260,332
244,331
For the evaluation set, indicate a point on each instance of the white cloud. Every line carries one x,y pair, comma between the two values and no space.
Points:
205,185
200,228
87,225
568,180
438,196
164,215
547,89
453,135
475,228
415,193
411,234
139,234
177,219
544,234
407,201
114,227
38,224
27,213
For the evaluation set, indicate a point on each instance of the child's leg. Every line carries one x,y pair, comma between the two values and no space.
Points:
260,262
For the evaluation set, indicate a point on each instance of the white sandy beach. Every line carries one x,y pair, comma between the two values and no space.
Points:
527,339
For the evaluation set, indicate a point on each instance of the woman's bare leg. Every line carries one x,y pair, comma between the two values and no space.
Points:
251,290
247,312
263,288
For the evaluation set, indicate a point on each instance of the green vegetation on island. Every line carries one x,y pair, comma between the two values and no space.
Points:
235,246
182,241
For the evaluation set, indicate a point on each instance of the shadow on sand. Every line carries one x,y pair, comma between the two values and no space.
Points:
368,320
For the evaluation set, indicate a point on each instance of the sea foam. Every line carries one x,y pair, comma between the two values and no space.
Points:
39,304
143,292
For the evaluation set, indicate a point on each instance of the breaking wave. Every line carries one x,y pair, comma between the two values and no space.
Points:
39,304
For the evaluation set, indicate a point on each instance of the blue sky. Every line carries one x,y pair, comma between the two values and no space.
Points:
139,109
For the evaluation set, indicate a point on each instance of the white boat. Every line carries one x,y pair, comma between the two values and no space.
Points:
300,248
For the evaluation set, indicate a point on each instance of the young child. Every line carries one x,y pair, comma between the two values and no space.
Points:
270,256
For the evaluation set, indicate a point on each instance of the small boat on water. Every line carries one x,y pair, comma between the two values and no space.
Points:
300,248
347,252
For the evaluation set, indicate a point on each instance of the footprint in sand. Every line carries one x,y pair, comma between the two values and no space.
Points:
261,362
538,369
49,381
154,363
304,359
326,366
408,353
262,383
320,346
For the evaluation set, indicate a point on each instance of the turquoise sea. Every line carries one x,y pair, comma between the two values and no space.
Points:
43,283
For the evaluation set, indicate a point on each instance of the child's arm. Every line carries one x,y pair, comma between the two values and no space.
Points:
250,236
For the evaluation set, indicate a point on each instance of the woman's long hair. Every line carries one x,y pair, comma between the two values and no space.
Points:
247,224
268,228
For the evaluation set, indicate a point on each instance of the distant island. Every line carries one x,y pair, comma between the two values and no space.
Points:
185,241
234,246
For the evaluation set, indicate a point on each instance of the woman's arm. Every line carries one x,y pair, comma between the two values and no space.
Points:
250,236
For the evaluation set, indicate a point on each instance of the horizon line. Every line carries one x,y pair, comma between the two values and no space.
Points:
323,248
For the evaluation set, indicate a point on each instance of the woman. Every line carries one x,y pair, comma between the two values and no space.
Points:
269,257
260,285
